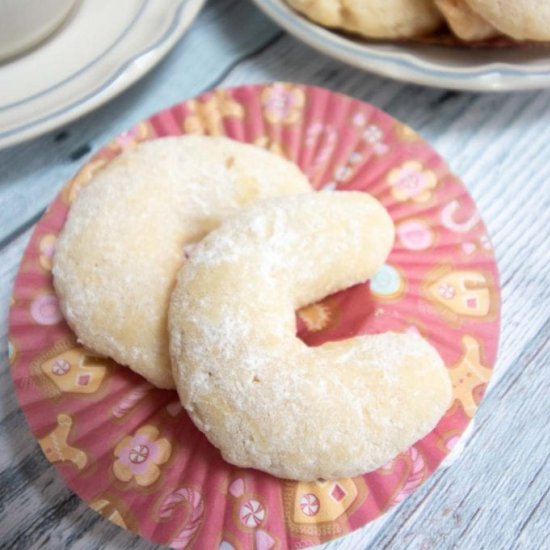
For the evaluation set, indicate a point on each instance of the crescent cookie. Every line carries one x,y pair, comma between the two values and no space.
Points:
118,255
465,23
260,395
520,19
373,18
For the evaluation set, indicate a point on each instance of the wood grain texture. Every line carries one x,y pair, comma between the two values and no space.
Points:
495,493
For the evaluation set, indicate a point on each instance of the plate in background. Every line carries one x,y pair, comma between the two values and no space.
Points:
481,70
94,56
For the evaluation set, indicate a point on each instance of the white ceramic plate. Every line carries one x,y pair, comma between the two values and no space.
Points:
100,50
482,70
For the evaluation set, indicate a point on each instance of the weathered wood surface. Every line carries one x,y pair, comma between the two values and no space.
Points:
492,495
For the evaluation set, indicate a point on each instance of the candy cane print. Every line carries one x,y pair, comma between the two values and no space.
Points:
326,151
416,476
128,402
192,499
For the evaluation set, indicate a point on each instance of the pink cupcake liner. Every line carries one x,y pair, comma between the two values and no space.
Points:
131,452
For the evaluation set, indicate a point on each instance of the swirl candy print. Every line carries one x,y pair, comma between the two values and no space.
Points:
322,505
441,264
192,499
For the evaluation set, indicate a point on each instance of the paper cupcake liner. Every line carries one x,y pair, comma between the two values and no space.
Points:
130,450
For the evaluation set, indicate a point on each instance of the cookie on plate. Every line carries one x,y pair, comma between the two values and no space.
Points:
373,18
465,23
519,19
128,231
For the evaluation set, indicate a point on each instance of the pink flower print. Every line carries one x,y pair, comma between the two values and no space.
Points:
140,455
447,291
412,181
372,134
283,103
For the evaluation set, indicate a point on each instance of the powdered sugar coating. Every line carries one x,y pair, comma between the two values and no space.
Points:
130,228
259,394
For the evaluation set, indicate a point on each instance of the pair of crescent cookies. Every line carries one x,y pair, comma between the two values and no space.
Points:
470,20
219,322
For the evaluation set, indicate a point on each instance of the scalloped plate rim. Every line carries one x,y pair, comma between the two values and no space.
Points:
126,72
403,64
